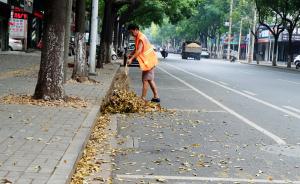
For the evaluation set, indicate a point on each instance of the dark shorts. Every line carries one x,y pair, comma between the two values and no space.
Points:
148,75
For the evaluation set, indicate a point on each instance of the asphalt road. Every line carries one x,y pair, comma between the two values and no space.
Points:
228,123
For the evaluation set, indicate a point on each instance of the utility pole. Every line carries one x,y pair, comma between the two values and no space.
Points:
251,49
93,41
240,39
229,33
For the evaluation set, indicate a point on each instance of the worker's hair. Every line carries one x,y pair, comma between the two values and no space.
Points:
133,27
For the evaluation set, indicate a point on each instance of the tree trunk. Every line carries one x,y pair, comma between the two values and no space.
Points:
106,35
67,37
80,72
106,26
290,51
120,36
274,62
256,47
50,79
116,32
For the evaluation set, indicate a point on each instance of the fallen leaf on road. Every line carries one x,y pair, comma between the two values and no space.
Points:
29,138
5,181
161,180
196,145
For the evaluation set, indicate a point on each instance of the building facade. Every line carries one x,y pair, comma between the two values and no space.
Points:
265,45
21,20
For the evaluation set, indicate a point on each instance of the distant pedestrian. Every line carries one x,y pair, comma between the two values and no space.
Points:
147,59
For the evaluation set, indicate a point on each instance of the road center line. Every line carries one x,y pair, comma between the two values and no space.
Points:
241,93
248,92
245,120
211,179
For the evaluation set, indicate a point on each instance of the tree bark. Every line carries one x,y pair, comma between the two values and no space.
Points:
80,72
110,12
106,35
67,37
116,32
274,61
120,36
290,50
50,79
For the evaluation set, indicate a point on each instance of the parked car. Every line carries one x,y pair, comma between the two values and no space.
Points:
113,54
131,48
15,44
205,53
297,61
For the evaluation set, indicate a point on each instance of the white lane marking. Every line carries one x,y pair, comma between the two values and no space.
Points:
211,179
245,120
249,93
241,93
289,81
224,83
195,110
292,108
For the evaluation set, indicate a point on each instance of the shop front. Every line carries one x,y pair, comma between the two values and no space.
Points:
27,22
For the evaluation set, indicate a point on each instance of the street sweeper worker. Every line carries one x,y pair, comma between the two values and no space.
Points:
147,59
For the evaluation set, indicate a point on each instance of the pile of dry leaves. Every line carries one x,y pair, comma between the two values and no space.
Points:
123,101
74,102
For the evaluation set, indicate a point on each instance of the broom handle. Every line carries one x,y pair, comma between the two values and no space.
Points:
126,69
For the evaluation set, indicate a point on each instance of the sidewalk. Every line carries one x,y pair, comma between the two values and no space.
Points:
280,65
40,144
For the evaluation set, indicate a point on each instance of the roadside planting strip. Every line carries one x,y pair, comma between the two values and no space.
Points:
277,139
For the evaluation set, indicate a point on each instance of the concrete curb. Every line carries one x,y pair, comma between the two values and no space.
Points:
278,67
67,165
66,168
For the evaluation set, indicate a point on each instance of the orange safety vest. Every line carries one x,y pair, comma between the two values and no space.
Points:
147,58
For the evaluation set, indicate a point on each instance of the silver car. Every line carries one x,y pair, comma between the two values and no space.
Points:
15,44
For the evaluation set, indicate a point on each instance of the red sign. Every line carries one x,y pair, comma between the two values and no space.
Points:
17,15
